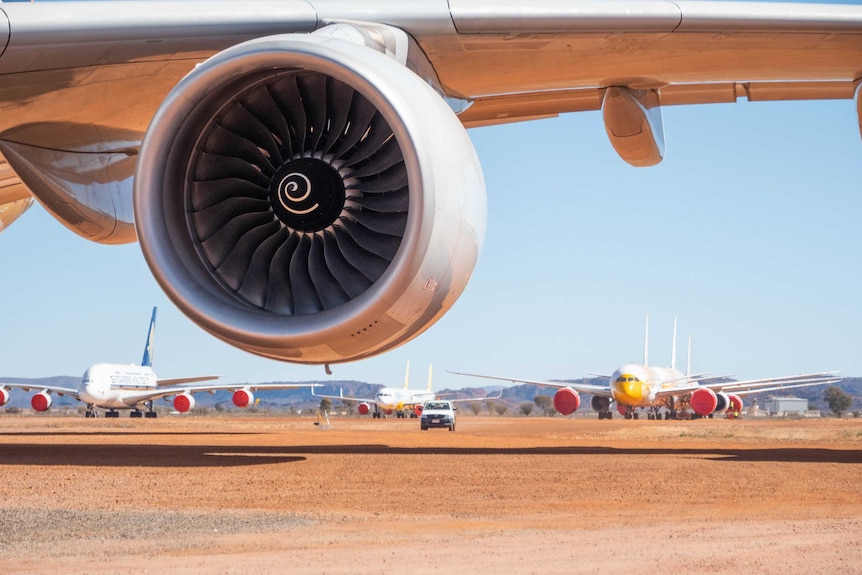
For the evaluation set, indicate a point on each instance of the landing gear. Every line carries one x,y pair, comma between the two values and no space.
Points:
91,411
151,412
606,415
112,413
136,413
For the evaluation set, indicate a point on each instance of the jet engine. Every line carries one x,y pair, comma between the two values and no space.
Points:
600,404
41,401
4,396
703,401
722,402
184,402
363,408
735,409
243,398
566,401
309,198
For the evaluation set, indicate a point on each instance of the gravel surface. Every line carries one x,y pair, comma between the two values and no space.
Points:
513,495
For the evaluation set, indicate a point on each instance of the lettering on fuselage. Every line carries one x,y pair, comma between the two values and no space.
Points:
129,381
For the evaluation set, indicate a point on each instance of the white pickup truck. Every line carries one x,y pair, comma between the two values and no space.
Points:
438,413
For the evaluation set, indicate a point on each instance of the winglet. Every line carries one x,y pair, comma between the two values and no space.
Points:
429,377
147,360
407,376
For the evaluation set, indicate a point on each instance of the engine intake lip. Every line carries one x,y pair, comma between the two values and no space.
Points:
429,258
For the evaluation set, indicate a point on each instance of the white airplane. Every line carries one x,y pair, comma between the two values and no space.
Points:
402,401
113,386
639,386
304,185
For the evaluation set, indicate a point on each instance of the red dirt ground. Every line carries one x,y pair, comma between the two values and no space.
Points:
500,495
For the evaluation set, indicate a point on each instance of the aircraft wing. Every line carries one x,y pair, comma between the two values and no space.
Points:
56,389
182,380
161,392
759,385
599,390
342,396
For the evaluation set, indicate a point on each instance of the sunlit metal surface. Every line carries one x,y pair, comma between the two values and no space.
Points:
634,125
89,193
82,85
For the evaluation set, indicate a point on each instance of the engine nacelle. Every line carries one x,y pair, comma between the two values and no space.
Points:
4,396
417,410
703,401
735,409
309,199
41,401
184,402
566,401
243,398
363,408
600,404
722,402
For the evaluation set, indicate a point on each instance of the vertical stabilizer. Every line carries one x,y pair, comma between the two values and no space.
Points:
673,347
407,376
147,360
429,376
688,361
646,343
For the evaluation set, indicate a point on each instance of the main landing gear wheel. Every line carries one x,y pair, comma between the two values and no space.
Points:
151,412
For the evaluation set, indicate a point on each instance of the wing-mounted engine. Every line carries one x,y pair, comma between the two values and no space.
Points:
363,408
722,402
243,398
41,401
4,396
184,402
703,401
309,199
566,401
735,409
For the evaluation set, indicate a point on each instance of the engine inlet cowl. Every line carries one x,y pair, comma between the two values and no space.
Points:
308,199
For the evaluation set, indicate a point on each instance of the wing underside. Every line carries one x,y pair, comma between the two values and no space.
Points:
599,390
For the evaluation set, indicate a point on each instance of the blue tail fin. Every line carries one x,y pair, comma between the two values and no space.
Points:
148,348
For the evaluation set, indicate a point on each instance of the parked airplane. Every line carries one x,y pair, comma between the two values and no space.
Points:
402,401
639,386
304,186
113,386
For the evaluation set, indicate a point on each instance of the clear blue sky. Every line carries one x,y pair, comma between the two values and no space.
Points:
748,232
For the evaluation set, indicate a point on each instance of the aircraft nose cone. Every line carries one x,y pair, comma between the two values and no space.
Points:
628,390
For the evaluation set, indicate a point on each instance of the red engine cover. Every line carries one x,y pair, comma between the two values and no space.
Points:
418,410
41,402
735,409
363,408
622,409
566,401
242,398
183,403
703,401
4,397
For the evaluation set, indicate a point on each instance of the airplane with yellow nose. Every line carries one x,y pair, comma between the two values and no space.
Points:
634,387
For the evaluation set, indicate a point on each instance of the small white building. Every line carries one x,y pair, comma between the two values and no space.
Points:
785,405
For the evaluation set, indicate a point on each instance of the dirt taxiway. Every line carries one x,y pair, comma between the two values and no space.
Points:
499,495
